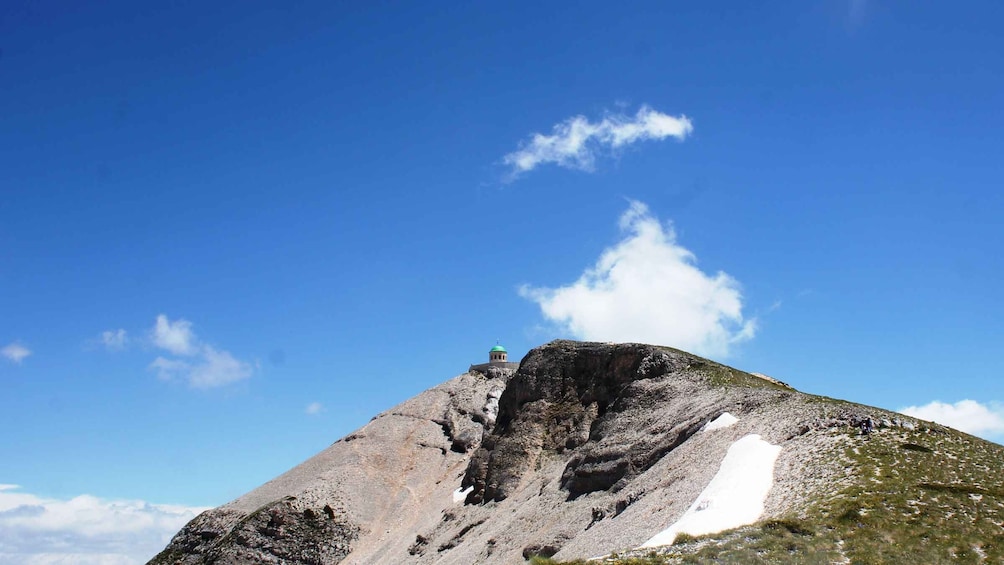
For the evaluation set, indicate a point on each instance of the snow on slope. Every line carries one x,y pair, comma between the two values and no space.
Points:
723,421
734,497
460,494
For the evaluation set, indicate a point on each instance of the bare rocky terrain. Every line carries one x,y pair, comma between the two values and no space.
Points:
586,450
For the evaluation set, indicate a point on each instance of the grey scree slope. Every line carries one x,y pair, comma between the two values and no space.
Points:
587,449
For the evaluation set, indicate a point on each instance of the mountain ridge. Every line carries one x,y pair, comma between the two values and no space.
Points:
585,450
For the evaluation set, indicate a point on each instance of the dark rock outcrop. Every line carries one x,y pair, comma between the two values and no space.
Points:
279,532
570,394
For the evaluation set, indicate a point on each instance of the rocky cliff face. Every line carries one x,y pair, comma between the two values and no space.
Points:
587,449
576,398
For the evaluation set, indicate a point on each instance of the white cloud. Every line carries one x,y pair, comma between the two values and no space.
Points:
647,288
115,340
575,142
176,337
203,365
170,369
217,368
15,352
213,368
84,530
966,415
314,408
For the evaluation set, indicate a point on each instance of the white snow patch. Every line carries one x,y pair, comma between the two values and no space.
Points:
723,421
735,495
460,495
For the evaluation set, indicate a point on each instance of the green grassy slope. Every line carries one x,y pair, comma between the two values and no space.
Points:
930,495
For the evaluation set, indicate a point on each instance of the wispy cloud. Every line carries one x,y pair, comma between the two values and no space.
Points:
200,364
314,408
176,337
218,368
857,10
170,369
970,416
647,288
84,530
575,142
115,340
15,352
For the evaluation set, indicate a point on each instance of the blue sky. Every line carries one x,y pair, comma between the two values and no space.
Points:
288,219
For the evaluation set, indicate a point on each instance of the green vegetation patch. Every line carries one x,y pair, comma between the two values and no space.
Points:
724,376
908,496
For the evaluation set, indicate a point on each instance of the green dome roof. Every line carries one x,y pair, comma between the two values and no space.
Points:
498,348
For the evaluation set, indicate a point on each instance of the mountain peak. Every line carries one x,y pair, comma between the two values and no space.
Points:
585,450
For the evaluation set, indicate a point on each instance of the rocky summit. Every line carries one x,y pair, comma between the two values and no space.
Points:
624,453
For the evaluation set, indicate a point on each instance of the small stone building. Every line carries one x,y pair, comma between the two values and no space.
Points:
497,357
497,354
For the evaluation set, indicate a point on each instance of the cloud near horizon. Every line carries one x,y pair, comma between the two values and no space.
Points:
647,288
970,416
84,530
575,143
15,352
200,364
